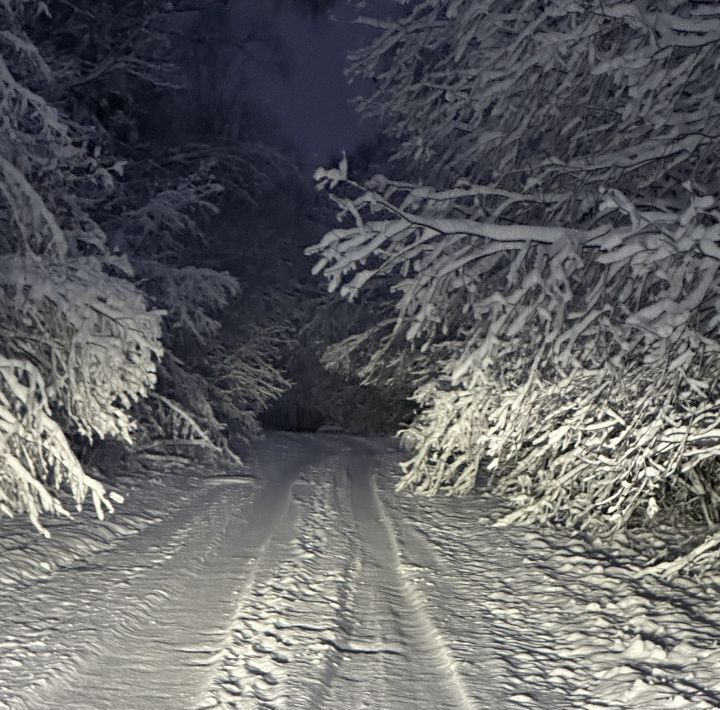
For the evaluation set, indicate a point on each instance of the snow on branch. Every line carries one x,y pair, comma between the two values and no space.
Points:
246,377
582,361
80,346
558,97
192,297
556,280
559,243
92,335
36,461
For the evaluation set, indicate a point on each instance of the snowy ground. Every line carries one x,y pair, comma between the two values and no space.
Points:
312,586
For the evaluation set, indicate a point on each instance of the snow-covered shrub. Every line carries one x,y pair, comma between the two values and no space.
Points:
246,378
215,381
551,98
167,194
595,449
36,461
89,334
193,298
558,333
95,231
583,360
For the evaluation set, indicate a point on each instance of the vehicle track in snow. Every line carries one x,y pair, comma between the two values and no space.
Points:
417,667
316,587
284,632
334,622
287,594
141,625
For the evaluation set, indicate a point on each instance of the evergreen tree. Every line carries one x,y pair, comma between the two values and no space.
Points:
102,293
80,346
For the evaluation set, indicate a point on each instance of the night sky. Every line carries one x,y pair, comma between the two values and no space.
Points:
299,79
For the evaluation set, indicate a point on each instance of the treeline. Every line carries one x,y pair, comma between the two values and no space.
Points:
111,321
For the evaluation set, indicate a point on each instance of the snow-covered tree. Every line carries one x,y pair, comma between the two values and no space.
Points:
565,262
80,346
173,183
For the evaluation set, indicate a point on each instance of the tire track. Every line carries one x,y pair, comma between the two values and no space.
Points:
152,632
155,634
290,595
288,624
103,600
330,620
431,678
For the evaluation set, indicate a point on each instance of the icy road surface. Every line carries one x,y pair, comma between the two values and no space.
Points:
312,586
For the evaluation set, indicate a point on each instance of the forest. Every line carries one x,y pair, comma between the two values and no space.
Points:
518,275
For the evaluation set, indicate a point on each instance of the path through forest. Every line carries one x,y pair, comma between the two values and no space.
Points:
306,583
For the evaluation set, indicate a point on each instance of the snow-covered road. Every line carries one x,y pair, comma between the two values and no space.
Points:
310,585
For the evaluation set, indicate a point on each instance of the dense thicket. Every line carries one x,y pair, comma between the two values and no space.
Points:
104,293
557,262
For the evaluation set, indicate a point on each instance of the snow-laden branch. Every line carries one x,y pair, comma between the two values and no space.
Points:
556,97
35,458
580,357
557,280
80,346
561,251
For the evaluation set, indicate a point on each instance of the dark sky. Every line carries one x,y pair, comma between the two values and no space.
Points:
309,96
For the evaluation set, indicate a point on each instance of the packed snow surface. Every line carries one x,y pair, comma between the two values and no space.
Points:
304,582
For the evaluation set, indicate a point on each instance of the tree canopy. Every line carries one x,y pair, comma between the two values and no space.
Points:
552,248
81,345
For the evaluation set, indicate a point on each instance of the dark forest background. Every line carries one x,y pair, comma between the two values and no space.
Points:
515,263
154,219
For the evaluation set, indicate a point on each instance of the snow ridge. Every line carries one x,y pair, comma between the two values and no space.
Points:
418,629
